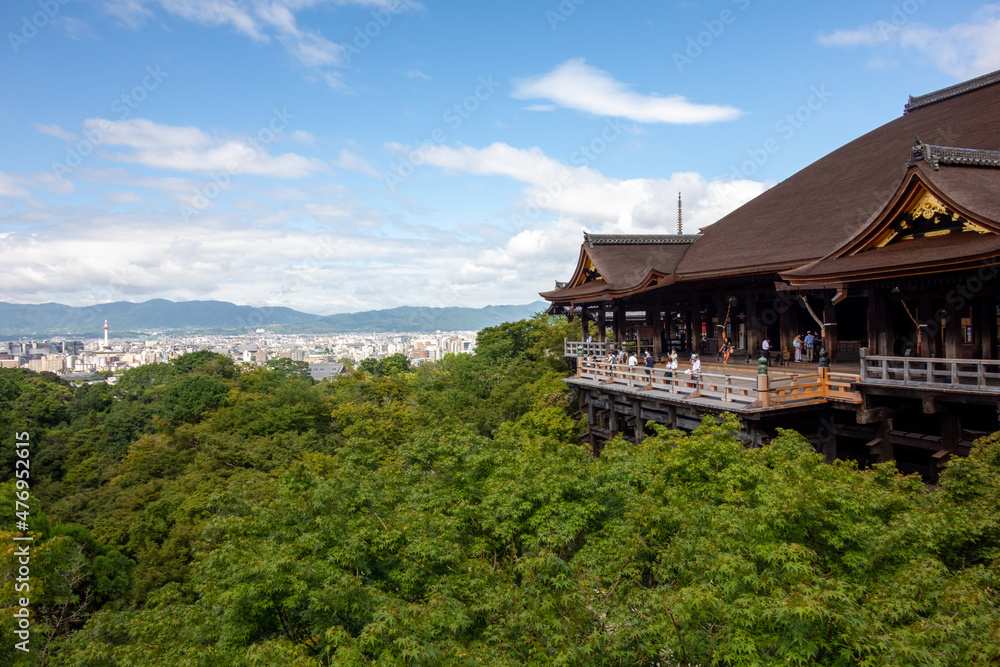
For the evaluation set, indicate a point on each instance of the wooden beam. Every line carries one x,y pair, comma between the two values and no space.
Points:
930,405
873,415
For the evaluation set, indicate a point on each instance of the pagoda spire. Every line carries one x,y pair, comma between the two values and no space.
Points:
680,215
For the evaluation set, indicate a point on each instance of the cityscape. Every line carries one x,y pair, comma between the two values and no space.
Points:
325,353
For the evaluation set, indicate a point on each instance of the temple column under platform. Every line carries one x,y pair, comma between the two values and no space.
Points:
638,425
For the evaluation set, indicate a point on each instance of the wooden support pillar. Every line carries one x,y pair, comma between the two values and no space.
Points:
925,311
882,433
988,332
612,416
829,447
951,429
979,318
638,424
602,334
720,307
879,334
657,323
618,325
788,316
584,323
695,323
952,335
754,337
830,339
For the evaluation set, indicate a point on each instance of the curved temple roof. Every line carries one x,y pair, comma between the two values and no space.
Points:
818,211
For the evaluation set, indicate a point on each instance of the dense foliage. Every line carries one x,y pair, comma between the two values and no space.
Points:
199,513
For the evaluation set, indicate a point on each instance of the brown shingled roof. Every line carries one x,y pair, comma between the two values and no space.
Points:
968,191
816,210
627,263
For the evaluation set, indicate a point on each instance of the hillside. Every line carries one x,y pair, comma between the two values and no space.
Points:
413,318
53,319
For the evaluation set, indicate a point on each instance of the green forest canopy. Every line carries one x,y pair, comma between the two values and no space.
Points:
200,513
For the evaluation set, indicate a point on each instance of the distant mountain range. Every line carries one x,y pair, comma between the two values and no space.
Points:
412,318
53,319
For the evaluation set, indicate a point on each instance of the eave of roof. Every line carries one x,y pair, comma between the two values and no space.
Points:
915,103
814,211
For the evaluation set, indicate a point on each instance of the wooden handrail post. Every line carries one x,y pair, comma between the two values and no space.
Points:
763,383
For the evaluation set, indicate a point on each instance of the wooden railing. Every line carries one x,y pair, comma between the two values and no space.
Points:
728,388
576,348
739,389
971,375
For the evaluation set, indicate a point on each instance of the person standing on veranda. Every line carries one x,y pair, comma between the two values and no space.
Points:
650,363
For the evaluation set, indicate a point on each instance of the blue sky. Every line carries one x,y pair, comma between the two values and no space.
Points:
344,155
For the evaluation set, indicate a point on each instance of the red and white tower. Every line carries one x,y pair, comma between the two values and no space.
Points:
106,327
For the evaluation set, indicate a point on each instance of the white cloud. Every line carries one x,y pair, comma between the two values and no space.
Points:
964,50
583,193
876,33
353,162
578,198
189,149
55,131
260,20
9,186
576,85
75,28
141,254
303,137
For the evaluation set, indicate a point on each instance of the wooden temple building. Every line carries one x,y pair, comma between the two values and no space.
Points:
888,248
